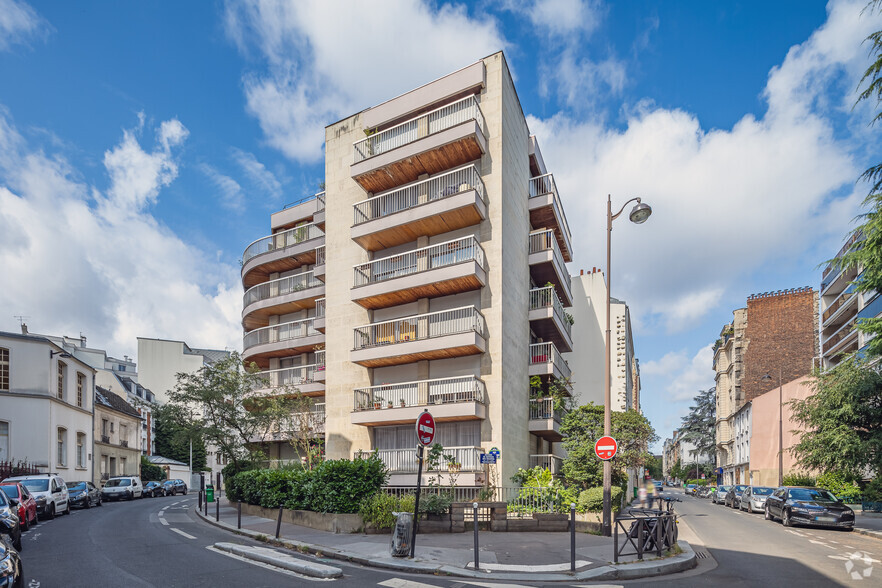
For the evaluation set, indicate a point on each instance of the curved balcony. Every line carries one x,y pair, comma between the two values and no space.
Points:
429,272
280,252
281,341
300,378
279,297
548,318
546,212
440,204
451,399
310,209
435,335
547,264
446,137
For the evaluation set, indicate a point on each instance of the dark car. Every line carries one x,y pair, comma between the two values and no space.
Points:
27,504
733,496
808,506
9,523
11,572
83,494
153,489
174,487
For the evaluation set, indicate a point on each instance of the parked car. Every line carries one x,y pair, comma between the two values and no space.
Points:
119,487
9,523
174,487
719,497
753,499
84,494
27,504
808,506
659,487
690,488
11,572
153,489
733,496
50,492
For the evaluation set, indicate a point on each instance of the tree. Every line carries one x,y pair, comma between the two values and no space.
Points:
841,422
698,427
583,426
866,254
300,424
219,402
150,472
173,434
654,466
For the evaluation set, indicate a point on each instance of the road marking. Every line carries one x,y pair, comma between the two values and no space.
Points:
402,583
794,532
179,532
163,521
33,584
848,546
821,543
260,564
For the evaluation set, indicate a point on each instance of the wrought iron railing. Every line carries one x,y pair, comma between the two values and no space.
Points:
420,393
419,260
420,326
282,239
281,287
283,332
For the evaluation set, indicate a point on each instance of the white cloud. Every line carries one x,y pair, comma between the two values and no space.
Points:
231,196
561,17
682,376
726,202
261,177
78,260
19,23
325,60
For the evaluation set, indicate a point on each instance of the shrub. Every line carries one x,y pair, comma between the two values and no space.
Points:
836,483
799,479
150,472
591,500
436,504
378,509
697,482
873,491
341,485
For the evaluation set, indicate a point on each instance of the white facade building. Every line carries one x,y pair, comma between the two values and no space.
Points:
741,457
46,406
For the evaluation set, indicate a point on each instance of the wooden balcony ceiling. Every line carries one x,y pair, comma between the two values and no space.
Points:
428,290
547,329
543,217
262,358
542,273
545,429
261,273
260,317
414,357
435,224
410,169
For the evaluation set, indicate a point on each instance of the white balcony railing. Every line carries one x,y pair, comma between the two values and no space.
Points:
405,460
541,185
281,240
417,193
320,359
281,287
320,308
543,409
541,353
422,126
420,393
421,326
419,260
320,199
277,333
547,298
550,462
290,376
320,255
545,241
312,420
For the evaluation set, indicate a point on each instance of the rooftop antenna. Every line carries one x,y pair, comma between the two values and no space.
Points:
21,318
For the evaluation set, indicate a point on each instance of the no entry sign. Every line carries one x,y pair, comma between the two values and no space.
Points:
425,428
606,448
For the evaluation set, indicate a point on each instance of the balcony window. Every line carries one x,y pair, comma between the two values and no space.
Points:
4,369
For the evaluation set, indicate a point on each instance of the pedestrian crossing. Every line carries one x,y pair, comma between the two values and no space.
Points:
460,583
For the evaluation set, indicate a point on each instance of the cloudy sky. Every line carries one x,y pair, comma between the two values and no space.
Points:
144,145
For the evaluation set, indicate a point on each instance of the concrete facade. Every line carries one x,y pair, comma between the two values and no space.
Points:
461,146
117,432
741,444
46,406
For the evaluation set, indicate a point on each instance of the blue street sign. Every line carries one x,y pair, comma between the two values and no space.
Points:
488,458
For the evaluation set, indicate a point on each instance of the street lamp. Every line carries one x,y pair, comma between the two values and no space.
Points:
638,215
780,425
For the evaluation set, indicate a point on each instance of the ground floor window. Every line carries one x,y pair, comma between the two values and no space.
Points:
61,457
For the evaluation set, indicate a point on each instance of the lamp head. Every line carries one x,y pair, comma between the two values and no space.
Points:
640,213
766,377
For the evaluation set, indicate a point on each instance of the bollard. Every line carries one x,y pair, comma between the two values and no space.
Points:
658,534
200,501
640,522
217,509
205,505
475,516
239,515
279,523
572,536
616,542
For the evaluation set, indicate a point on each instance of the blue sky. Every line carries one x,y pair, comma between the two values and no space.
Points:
143,146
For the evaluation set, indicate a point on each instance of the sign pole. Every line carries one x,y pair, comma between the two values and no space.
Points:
416,502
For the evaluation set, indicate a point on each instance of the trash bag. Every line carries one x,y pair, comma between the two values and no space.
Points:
400,546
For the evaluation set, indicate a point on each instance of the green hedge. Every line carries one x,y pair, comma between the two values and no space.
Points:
591,500
337,486
697,482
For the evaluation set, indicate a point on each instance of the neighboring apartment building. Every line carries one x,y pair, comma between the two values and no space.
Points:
430,273
46,404
117,432
589,310
840,309
159,362
741,444
776,335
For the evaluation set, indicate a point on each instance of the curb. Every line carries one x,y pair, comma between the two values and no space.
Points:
630,571
281,560
868,533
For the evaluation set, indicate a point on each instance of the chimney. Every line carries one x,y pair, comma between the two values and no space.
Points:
82,340
581,272
24,328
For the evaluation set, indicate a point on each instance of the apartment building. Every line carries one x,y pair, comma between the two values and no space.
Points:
729,368
589,341
46,404
429,274
117,426
840,309
741,429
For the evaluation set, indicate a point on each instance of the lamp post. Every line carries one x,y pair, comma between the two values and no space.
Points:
780,424
638,215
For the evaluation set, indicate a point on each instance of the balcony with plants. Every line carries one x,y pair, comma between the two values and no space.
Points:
279,297
548,319
280,252
450,399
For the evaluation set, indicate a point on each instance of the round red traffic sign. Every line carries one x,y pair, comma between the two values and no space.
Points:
425,428
606,448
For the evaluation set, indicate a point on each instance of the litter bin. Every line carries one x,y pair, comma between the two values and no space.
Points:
209,493
400,546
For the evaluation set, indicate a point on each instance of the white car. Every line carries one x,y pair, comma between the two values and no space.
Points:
753,499
120,487
50,492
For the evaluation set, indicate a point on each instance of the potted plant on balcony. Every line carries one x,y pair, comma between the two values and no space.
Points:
389,404
377,405
402,403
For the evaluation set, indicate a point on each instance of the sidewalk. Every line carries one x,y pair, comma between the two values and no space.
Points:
869,524
526,556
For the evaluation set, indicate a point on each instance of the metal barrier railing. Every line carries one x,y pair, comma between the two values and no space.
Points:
644,531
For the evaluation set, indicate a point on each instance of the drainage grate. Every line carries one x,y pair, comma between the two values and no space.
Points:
701,554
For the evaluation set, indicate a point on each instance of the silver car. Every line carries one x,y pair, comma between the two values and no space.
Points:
753,499
719,495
